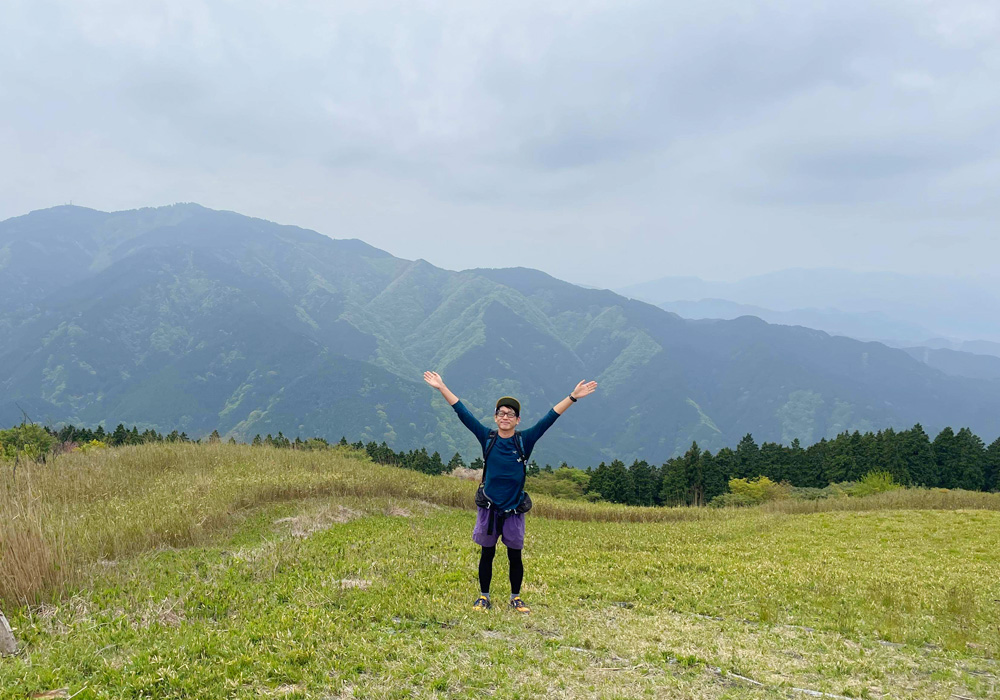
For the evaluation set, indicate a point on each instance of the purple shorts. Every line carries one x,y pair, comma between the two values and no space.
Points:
512,529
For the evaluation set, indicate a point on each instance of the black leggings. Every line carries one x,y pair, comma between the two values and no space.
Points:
486,569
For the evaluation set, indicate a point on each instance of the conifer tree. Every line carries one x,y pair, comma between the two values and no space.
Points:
257,442
946,457
617,484
120,436
748,458
455,462
421,461
232,440
215,438
991,467
971,460
386,455
725,464
890,457
797,465
435,465
644,482
918,456
840,464
694,476
840,467
596,482
714,478
673,484
773,462
861,454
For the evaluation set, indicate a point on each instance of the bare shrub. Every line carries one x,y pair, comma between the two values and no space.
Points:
395,510
306,524
466,474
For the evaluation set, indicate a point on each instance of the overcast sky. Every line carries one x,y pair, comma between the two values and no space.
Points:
603,142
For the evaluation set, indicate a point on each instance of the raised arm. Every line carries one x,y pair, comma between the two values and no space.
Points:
532,434
434,379
468,420
582,389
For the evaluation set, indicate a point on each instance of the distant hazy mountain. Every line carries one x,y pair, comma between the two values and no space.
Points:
934,306
191,319
959,364
973,359
870,325
978,347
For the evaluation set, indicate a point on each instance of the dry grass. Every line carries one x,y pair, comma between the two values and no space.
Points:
108,504
56,519
899,499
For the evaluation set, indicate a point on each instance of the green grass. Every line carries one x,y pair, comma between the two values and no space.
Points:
341,587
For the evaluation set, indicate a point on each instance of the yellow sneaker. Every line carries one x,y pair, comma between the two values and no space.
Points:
482,604
517,605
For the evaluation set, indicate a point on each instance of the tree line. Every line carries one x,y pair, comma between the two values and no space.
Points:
131,436
951,460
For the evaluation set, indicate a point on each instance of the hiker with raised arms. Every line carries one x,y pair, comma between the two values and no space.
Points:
501,501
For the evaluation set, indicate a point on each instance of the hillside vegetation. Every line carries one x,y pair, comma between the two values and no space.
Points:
180,570
183,318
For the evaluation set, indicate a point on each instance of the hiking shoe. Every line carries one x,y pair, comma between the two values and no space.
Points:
517,605
482,604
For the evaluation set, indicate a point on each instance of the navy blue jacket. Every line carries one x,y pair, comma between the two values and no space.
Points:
503,478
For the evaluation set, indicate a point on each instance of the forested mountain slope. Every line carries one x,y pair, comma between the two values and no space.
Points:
186,318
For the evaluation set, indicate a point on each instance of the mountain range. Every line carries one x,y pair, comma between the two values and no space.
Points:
900,310
192,319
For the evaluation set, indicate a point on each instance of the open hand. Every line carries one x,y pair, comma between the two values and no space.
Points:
583,389
434,379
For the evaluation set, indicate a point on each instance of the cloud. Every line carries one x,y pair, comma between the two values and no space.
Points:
694,123
943,241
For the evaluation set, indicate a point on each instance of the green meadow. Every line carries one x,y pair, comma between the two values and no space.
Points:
215,571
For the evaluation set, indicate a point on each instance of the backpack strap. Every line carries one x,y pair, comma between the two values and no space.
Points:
490,442
519,446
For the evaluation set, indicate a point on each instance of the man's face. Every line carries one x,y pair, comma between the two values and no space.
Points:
505,418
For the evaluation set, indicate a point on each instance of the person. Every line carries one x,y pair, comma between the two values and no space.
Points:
503,482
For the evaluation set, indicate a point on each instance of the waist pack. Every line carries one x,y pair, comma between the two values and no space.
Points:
483,501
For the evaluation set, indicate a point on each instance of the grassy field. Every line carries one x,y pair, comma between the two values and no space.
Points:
214,571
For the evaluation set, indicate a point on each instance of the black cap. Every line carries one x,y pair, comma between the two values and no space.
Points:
510,402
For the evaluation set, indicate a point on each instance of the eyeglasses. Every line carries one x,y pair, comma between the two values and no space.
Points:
506,414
